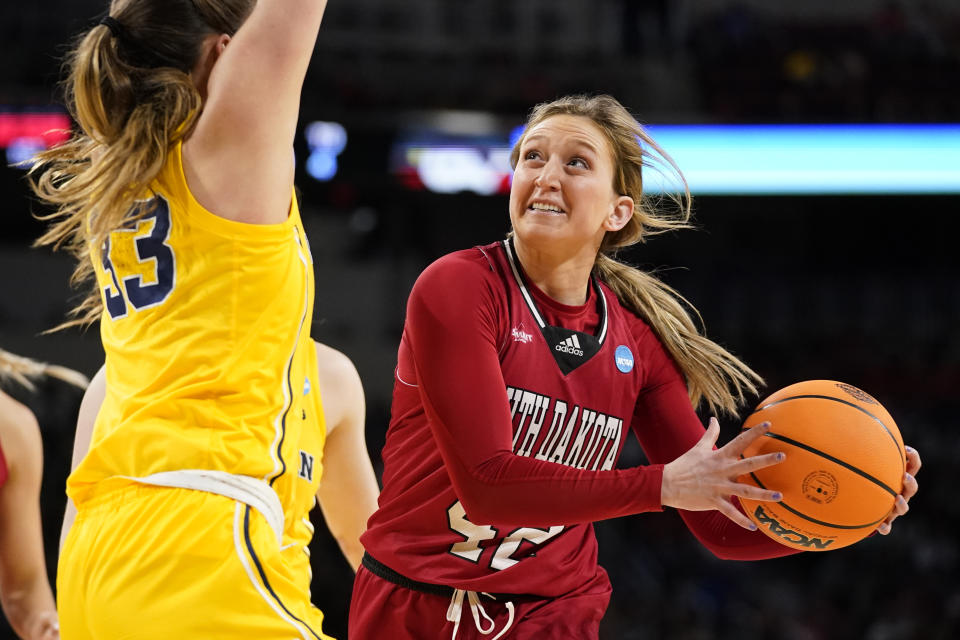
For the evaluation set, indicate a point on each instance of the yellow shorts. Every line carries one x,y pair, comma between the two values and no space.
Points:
145,563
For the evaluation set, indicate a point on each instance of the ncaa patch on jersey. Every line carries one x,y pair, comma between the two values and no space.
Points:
624,358
306,386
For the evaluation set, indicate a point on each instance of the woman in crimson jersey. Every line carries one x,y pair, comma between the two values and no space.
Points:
522,367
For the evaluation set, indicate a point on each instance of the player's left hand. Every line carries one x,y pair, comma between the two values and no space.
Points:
910,487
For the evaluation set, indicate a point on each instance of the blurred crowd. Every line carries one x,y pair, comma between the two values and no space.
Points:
898,64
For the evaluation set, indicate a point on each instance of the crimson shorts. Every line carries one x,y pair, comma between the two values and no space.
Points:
382,609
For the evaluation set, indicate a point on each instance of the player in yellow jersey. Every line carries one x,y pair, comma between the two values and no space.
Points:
176,194
334,468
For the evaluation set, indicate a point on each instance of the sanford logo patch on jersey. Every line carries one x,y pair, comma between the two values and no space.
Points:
306,466
521,336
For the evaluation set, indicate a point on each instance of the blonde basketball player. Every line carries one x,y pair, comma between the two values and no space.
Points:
176,194
24,590
334,467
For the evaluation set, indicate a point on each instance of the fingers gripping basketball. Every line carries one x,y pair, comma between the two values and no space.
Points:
844,468
705,478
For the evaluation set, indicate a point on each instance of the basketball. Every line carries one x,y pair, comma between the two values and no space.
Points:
843,470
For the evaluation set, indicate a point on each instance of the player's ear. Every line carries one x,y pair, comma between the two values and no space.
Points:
620,214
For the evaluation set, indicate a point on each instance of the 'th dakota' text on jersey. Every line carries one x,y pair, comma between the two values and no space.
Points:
574,436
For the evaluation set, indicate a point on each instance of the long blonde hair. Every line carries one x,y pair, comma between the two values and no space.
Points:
712,373
129,90
25,371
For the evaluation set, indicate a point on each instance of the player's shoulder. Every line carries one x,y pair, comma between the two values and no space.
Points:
466,259
333,364
460,268
341,389
19,430
14,415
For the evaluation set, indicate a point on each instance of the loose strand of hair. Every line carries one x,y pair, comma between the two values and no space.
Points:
713,374
24,371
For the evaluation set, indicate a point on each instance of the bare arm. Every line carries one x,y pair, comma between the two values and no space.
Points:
89,408
24,590
348,491
238,159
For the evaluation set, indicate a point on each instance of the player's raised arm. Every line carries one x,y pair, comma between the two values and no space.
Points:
238,160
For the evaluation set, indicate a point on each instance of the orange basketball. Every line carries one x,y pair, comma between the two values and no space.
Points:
844,466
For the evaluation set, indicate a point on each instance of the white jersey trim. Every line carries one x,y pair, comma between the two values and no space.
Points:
250,491
278,423
523,287
604,320
238,544
396,373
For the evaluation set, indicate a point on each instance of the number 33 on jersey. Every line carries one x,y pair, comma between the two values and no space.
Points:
147,272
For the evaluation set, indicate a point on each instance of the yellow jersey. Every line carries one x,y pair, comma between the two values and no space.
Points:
302,486
206,330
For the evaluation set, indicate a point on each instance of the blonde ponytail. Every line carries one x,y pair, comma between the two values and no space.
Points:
128,117
24,371
712,373
129,90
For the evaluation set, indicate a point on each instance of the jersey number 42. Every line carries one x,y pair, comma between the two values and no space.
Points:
471,550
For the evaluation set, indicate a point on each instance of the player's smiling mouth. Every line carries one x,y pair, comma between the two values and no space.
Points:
545,207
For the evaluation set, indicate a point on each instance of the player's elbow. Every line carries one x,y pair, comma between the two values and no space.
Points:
481,506
15,603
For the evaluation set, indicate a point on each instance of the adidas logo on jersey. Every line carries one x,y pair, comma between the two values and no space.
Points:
570,345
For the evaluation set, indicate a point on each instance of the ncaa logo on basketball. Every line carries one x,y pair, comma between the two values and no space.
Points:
788,535
624,359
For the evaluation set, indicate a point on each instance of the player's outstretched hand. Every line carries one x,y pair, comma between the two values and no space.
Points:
704,478
910,487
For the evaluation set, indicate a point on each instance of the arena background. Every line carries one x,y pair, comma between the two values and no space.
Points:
853,287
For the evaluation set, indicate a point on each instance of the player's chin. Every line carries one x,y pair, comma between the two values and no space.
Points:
534,223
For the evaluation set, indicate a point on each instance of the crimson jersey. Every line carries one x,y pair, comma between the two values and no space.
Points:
509,413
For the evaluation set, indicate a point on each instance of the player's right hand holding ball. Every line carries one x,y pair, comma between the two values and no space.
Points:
704,478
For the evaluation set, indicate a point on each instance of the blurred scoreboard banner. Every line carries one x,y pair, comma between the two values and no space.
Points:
23,134
721,159
456,152
814,159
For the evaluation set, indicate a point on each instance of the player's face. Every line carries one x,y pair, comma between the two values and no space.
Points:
562,194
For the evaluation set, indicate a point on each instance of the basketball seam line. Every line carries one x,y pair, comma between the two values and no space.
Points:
814,520
829,457
846,402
